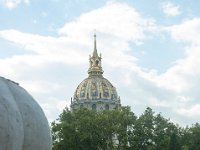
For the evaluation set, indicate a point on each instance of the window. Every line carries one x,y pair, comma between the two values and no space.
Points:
94,107
97,62
106,107
105,94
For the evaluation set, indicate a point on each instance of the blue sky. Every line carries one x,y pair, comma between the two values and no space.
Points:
150,51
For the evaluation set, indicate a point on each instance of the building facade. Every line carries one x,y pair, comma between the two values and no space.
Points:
95,92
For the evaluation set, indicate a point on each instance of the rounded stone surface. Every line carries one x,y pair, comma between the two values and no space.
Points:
23,125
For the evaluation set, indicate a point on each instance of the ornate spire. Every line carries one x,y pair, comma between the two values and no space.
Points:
95,54
95,62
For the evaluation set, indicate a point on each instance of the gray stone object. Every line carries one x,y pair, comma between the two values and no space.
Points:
23,125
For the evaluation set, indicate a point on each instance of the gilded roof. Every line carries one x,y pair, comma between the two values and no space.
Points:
95,88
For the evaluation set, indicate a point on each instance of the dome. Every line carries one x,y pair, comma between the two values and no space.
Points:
95,92
95,88
23,123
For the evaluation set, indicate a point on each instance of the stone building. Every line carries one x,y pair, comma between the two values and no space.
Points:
95,92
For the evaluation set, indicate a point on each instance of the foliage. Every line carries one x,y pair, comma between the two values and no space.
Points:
174,143
120,129
90,130
191,138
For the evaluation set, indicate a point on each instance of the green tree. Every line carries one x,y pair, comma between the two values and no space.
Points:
194,133
151,132
190,137
142,134
174,142
85,129
120,129
185,138
68,133
163,129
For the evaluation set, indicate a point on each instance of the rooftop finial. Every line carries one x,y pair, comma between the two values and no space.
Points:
95,62
95,54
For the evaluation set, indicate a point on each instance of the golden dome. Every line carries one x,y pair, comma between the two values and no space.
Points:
95,92
95,88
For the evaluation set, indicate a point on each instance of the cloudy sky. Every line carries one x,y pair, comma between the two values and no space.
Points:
150,50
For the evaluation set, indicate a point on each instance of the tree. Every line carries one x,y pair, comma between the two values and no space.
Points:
85,129
151,132
163,129
142,135
174,143
190,137
185,138
194,133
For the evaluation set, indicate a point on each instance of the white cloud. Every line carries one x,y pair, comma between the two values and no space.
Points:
113,19
170,9
53,107
177,89
40,87
117,26
75,39
44,49
10,4
182,76
190,111
188,31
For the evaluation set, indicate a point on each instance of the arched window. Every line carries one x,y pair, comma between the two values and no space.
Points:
97,62
106,107
94,107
